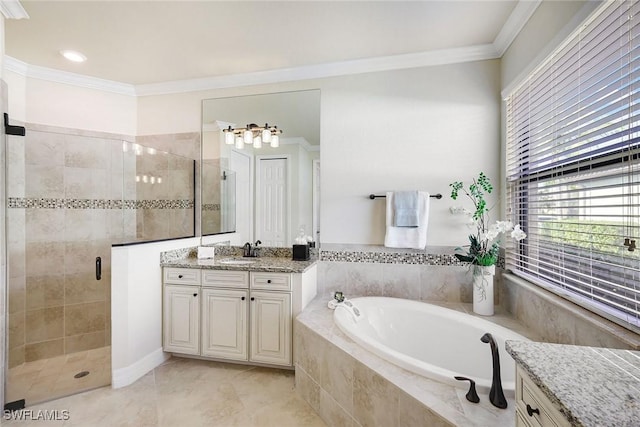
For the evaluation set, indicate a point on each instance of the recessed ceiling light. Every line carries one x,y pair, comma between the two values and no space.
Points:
74,56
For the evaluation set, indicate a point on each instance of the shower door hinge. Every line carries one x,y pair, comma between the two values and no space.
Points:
12,130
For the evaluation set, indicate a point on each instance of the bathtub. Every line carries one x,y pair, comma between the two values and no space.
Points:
432,341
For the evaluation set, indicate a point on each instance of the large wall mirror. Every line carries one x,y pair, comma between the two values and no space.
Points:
274,193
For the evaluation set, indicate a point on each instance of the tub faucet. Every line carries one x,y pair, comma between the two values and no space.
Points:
496,395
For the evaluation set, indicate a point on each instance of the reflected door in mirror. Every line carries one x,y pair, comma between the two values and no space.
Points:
271,195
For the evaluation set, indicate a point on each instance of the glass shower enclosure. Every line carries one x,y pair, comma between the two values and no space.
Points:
69,198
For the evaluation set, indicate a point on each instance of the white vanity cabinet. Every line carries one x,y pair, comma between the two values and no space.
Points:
533,408
271,318
224,323
241,316
181,311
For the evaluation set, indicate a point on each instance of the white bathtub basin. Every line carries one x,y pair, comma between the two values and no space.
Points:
429,340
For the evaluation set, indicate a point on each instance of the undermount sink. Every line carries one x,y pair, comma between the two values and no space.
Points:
233,261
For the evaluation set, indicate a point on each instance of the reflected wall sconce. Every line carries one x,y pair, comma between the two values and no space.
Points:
252,134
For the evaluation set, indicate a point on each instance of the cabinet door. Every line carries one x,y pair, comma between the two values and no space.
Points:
271,327
224,323
181,319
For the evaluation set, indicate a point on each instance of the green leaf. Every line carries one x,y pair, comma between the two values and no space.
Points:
464,258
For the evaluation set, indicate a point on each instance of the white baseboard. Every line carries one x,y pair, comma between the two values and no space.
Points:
125,376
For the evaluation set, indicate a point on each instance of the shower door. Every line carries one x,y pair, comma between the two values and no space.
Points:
64,209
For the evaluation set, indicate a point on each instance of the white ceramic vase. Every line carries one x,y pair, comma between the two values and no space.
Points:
483,289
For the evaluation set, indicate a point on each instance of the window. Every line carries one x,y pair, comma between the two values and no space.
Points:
573,166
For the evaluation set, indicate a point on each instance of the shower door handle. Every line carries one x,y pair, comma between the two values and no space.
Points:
98,268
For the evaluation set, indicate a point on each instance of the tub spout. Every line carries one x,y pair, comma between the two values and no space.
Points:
496,395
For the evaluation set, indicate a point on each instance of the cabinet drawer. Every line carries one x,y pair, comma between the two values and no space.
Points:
534,406
225,278
271,281
539,418
182,276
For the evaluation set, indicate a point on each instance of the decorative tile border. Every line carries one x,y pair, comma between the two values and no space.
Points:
395,258
44,203
211,207
389,257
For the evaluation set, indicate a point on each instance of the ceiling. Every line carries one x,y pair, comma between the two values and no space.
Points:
155,41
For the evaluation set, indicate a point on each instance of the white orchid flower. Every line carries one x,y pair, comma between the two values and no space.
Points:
504,226
493,232
517,233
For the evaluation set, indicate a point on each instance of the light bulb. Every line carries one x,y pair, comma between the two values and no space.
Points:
248,137
257,142
275,141
239,142
266,135
229,137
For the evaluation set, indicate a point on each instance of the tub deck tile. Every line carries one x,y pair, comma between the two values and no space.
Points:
383,394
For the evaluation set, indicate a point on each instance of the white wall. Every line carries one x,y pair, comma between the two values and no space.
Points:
48,103
136,309
550,24
420,128
411,129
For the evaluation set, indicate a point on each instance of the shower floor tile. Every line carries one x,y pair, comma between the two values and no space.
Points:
49,379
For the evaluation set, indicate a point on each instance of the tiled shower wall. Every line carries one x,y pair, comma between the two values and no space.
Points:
170,210
211,176
58,224
163,193
71,195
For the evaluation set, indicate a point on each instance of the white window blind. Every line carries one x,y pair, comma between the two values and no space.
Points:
573,149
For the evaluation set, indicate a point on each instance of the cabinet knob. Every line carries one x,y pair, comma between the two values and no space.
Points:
268,280
532,411
179,276
195,295
242,298
252,299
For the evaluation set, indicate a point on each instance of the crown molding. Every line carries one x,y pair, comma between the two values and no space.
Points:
413,60
12,9
57,76
514,24
300,141
516,21
334,69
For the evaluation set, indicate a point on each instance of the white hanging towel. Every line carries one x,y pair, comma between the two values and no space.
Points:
408,237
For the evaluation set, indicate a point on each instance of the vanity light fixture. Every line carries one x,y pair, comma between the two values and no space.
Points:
252,134
73,56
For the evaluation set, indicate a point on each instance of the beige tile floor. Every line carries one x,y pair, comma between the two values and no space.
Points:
52,378
188,393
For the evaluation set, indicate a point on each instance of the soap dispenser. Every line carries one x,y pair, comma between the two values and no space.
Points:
301,247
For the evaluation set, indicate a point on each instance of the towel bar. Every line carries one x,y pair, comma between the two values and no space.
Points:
435,196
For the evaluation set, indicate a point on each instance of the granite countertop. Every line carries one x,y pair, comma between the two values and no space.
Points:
590,386
269,264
